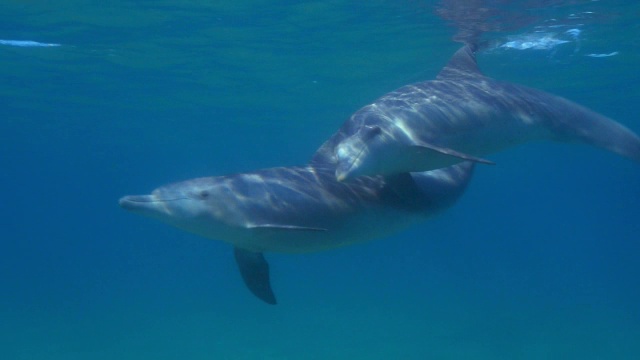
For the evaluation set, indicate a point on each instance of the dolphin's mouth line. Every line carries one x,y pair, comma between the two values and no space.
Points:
158,200
134,201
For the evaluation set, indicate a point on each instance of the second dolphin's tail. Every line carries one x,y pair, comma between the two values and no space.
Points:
576,123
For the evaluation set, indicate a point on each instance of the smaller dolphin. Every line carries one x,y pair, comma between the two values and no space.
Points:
297,210
461,115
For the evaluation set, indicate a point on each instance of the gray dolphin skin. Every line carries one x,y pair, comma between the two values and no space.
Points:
462,115
298,210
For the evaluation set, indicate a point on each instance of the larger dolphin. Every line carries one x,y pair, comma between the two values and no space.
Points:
298,209
462,115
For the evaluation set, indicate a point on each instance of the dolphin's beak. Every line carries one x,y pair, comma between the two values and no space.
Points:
135,202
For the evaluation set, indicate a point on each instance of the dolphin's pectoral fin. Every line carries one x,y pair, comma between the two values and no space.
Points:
285,227
255,273
450,153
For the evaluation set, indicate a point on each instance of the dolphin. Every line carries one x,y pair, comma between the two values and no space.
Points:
462,115
298,210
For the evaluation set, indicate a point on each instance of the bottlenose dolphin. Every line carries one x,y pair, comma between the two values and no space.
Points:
461,115
298,209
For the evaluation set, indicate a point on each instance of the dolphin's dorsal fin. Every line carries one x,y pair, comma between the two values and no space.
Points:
461,65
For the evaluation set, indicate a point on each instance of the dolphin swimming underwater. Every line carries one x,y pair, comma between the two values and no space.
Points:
298,210
461,115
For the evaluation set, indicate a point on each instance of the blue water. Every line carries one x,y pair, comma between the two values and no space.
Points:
539,259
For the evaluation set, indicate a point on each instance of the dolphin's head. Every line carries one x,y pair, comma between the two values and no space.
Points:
195,205
370,151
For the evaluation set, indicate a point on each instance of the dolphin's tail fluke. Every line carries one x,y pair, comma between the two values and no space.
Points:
583,125
616,138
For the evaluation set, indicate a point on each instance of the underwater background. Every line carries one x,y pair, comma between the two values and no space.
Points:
538,260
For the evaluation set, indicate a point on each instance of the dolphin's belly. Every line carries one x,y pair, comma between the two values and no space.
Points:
334,231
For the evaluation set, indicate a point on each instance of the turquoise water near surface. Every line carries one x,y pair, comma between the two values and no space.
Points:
539,259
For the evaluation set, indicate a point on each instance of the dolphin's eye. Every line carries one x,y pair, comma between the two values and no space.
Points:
371,131
204,194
